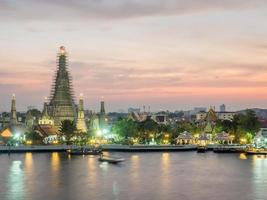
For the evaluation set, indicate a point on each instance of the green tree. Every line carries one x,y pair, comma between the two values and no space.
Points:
125,128
67,130
34,137
147,130
249,122
243,125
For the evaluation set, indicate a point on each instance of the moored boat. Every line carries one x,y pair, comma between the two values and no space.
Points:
229,149
202,149
256,152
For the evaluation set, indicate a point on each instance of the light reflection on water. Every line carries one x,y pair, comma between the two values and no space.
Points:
243,156
16,183
259,172
183,175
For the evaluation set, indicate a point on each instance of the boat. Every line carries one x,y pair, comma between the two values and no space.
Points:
84,151
256,152
201,149
109,159
229,149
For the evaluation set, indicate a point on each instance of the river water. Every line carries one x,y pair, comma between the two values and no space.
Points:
143,176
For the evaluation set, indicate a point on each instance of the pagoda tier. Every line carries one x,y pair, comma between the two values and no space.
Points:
62,106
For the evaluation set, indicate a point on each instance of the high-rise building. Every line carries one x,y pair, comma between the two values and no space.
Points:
222,108
62,106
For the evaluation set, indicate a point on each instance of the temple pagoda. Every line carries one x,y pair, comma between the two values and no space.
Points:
61,105
81,125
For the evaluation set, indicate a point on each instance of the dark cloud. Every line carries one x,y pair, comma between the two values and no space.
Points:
115,9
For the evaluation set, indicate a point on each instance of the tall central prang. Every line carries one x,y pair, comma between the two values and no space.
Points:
62,106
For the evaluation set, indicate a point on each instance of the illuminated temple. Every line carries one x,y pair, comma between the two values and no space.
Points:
61,106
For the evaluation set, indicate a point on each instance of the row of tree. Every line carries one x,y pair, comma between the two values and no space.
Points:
244,125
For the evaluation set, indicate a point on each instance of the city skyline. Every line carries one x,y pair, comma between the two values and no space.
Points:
172,55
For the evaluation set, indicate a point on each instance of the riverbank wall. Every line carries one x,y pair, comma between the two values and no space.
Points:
122,148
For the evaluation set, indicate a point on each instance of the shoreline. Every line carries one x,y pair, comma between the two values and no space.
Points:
124,148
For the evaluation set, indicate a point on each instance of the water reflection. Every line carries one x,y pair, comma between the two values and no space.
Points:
55,162
259,163
28,162
16,183
115,190
143,176
55,167
165,166
135,171
243,156
93,173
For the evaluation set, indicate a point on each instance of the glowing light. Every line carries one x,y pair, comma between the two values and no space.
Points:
16,136
105,131
28,142
99,133
55,142
62,50
243,140
135,140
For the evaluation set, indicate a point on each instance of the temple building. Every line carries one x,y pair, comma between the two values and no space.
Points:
14,128
222,115
45,118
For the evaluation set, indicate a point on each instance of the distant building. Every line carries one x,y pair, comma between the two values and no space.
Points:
260,140
13,128
197,110
136,110
222,108
103,120
226,115
201,116
160,118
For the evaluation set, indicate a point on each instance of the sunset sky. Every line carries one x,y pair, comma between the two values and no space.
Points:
169,54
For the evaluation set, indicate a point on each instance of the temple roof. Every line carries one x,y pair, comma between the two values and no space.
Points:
6,133
185,136
46,130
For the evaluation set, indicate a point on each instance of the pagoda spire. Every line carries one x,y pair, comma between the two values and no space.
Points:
102,116
81,125
45,110
62,104
13,118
